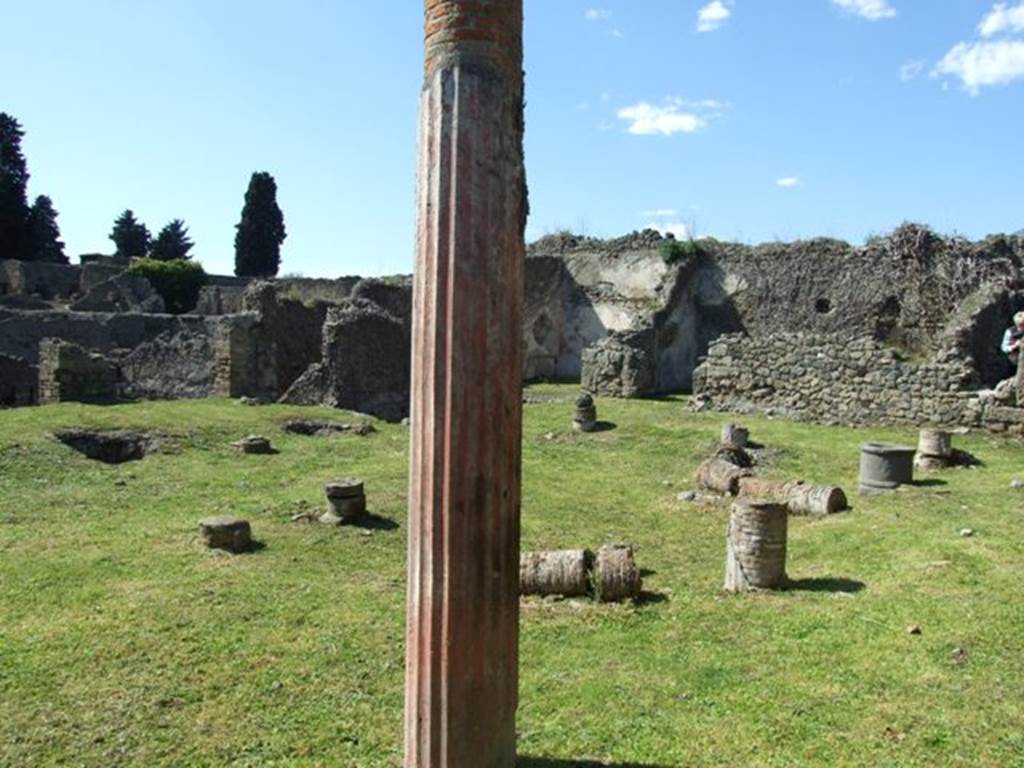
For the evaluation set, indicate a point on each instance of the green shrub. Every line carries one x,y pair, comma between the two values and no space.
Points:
178,282
677,250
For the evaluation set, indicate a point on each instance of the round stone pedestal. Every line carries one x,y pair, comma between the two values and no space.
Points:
885,467
346,501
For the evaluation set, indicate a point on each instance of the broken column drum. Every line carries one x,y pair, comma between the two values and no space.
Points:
756,545
462,631
346,501
735,435
616,575
559,572
934,450
586,414
885,467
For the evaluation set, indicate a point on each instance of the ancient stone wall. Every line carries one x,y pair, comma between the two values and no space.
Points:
365,365
69,373
19,381
835,378
902,290
32,278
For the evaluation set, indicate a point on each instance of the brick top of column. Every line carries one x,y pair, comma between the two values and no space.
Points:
485,30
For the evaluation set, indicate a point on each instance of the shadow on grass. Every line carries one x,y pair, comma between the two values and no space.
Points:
825,584
547,762
604,426
651,598
931,482
372,522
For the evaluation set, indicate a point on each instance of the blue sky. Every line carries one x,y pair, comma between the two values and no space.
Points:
750,120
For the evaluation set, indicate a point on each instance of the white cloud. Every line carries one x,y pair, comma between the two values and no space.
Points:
660,213
788,182
912,69
713,15
648,120
616,33
978,64
1002,18
675,115
597,14
872,10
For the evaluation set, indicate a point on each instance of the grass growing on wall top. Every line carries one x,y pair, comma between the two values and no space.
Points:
123,642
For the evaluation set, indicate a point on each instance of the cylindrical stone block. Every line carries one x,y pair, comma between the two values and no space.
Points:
735,435
560,572
884,467
935,442
228,533
346,501
720,476
585,418
616,576
756,545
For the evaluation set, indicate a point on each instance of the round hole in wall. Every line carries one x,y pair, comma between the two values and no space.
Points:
823,306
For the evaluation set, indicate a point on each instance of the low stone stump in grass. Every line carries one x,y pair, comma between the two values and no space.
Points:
346,501
934,451
885,467
585,418
254,444
311,428
616,576
735,435
559,572
228,533
756,545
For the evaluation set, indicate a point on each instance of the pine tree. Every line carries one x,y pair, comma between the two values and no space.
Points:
14,236
172,244
44,234
130,237
260,231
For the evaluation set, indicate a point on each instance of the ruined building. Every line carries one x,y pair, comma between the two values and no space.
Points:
904,329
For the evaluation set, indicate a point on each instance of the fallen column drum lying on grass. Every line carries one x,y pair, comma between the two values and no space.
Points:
801,498
720,476
756,545
561,572
616,576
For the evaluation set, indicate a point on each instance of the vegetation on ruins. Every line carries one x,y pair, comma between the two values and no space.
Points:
172,244
44,234
261,230
14,231
177,281
124,642
673,251
131,237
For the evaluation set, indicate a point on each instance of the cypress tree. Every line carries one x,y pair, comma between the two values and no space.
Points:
172,244
14,236
131,237
261,230
44,234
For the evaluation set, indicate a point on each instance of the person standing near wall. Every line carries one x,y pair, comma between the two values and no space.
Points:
1012,339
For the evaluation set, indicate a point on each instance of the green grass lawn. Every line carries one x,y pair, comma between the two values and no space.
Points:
124,643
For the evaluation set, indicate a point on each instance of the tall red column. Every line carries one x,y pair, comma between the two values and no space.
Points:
463,602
